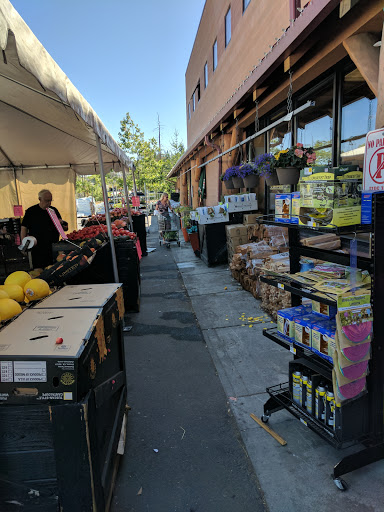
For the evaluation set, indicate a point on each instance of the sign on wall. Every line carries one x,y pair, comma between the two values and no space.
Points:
373,178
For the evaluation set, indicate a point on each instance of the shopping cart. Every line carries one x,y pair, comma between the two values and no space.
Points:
168,229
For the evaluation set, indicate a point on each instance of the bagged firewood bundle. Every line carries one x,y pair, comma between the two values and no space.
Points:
274,299
328,241
235,274
270,231
261,250
238,262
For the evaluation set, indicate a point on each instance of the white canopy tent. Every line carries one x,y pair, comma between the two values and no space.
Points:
48,131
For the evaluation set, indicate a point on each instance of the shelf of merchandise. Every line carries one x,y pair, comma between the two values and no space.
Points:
338,230
314,362
302,290
370,404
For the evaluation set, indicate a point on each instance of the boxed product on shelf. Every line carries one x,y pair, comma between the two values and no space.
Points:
283,208
295,207
324,309
366,205
241,202
286,320
303,329
323,340
330,196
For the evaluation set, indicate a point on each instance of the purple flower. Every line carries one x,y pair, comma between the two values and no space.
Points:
264,164
230,172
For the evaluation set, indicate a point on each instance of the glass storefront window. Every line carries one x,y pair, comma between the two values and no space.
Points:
358,117
279,137
315,125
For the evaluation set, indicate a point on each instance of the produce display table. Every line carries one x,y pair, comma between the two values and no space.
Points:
63,393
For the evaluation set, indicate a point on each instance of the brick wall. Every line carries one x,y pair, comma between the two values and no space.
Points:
252,32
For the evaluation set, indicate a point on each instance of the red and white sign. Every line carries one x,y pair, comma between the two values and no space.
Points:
136,201
57,223
18,210
373,178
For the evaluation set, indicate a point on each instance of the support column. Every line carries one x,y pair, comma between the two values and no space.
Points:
196,180
380,92
127,199
107,213
183,185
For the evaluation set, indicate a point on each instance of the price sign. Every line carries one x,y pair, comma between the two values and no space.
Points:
373,176
292,349
135,201
18,210
281,286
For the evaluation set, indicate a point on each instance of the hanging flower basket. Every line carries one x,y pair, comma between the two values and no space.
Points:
228,183
237,182
251,180
288,175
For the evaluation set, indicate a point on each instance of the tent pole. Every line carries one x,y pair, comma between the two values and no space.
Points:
107,213
127,199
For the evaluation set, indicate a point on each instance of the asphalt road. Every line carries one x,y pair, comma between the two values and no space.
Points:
183,452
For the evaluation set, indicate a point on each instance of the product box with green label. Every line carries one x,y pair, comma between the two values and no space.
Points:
323,309
330,196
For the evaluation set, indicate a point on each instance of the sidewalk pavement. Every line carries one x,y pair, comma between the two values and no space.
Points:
171,388
292,477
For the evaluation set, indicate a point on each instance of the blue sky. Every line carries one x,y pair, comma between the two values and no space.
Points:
122,55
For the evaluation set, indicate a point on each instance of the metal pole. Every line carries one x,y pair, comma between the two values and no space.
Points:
127,199
107,214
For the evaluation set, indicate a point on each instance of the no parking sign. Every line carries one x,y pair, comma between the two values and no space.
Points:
374,161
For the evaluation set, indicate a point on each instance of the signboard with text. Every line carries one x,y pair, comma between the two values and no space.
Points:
373,178
135,201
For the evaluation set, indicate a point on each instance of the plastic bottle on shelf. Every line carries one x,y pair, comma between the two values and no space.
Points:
330,409
296,387
320,402
309,397
303,396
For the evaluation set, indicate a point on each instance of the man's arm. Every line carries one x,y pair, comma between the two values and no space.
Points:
23,232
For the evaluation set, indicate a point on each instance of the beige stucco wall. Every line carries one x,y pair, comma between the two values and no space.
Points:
252,33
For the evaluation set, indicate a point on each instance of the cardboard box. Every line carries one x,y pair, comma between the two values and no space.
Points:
295,207
283,204
286,320
323,340
331,197
366,206
236,230
303,329
35,369
323,309
250,218
233,242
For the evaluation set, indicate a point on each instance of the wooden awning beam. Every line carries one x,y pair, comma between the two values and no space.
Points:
365,57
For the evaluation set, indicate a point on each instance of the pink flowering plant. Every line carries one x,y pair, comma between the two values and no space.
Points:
296,156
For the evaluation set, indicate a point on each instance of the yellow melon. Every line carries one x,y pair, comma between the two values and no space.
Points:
9,308
20,277
14,291
36,289
4,294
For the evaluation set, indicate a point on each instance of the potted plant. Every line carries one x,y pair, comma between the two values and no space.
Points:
265,166
289,162
249,174
227,177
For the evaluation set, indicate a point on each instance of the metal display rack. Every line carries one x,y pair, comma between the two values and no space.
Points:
368,408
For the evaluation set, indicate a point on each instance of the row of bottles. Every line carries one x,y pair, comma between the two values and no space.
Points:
316,397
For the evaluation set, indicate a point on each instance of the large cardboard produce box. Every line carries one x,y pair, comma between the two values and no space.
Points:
36,366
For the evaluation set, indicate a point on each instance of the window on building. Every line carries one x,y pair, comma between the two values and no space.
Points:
280,136
198,91
227,27
194,101
315,125
358,116
205,75
189,111
215,55
245,4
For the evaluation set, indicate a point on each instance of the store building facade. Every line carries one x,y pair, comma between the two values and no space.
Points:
252,62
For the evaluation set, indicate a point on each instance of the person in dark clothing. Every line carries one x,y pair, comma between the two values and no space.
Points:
38,223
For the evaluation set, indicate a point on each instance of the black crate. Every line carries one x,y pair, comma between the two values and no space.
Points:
65,453
139,228
213,243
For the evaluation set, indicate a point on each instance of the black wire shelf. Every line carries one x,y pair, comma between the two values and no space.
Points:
338,230
314,362
281,395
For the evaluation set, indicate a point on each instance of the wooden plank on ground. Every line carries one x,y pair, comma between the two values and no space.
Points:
269,430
